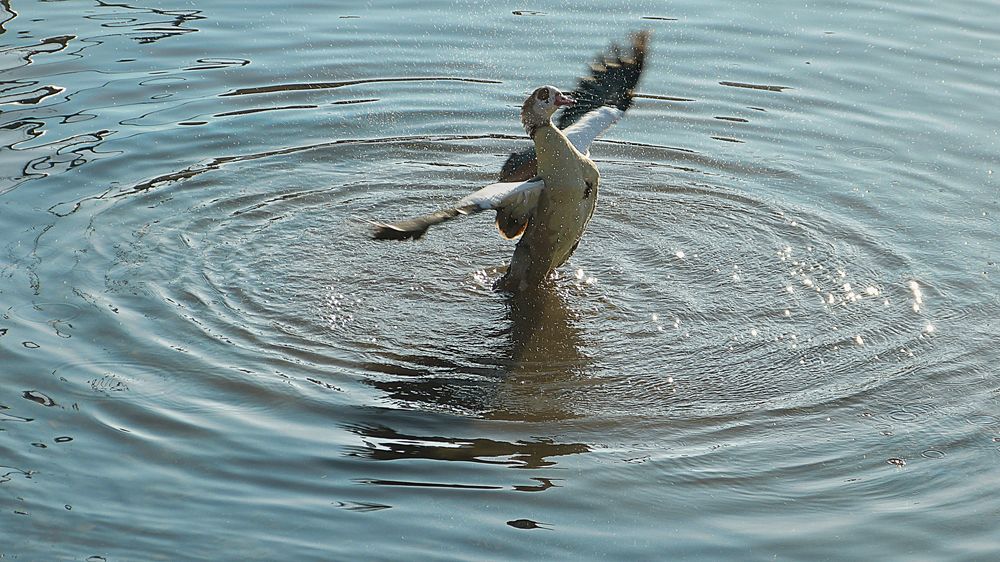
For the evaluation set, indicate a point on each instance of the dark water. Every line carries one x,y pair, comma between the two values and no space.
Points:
778,340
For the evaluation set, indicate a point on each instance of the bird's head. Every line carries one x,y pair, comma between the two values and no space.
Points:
541,104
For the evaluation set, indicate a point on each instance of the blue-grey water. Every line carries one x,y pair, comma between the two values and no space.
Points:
778,339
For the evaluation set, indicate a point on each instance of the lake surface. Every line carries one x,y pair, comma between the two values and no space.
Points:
778,339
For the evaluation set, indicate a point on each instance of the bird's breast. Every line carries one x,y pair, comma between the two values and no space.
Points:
568,200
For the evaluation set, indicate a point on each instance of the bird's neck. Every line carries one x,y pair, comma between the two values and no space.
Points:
552,148
533,121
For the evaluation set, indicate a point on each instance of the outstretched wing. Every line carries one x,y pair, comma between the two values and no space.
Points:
513,201
611,83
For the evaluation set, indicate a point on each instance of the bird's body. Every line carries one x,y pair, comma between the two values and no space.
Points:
560,214
548,193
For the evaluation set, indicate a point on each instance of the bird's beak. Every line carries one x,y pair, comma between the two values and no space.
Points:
564,101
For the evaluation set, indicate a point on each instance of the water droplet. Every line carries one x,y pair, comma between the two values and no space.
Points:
753,332
680,254
859,341
895,461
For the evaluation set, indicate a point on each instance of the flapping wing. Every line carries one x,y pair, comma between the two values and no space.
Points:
613,78
513,201
612,81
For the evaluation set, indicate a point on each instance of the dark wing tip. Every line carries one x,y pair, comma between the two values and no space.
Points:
640,44
413,229
382,231
613,78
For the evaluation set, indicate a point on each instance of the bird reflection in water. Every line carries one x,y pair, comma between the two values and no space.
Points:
526,378
545,358
384,444
527,381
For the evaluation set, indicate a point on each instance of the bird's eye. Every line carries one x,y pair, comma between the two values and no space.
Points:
542,94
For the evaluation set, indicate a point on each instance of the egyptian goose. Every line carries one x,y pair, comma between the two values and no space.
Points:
547,194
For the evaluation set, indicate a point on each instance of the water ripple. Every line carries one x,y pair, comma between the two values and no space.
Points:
345,83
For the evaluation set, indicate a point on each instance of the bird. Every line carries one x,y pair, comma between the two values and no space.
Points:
546,194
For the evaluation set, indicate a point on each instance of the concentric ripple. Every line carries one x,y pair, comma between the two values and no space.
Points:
685,298
721,302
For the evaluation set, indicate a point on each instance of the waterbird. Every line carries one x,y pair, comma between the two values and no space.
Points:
547,194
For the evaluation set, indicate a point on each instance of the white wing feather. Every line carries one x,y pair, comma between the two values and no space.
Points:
493,196
592,125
